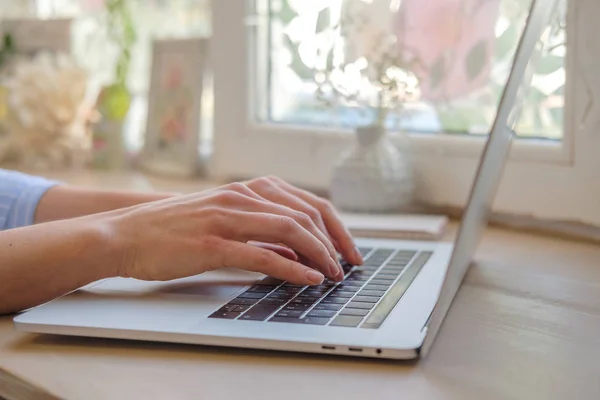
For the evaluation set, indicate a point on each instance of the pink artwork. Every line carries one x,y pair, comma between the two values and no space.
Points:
92,5
453,41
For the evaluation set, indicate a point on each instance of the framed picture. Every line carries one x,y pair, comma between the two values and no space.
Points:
171,145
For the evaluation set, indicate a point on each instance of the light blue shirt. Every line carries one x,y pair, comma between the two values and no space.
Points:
19,196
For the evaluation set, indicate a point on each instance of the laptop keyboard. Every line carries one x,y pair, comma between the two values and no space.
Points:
364,299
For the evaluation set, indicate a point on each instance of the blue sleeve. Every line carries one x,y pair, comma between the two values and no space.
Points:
19,196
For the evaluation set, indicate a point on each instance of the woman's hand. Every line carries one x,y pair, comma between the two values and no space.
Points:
240,225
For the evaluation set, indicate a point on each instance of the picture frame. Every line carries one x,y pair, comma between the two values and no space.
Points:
173,125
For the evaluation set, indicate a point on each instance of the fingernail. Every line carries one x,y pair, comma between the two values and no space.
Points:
358,256
334,268
315,277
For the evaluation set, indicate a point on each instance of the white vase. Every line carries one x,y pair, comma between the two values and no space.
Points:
373,176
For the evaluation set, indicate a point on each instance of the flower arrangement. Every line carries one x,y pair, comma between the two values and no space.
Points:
47,113
363,68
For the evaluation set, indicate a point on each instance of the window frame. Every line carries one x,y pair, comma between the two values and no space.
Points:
542,179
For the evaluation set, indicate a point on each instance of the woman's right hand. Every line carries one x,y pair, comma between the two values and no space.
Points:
188,235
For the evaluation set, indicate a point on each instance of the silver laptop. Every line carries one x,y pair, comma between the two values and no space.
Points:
391,307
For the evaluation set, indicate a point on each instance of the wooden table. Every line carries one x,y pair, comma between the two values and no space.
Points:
525,325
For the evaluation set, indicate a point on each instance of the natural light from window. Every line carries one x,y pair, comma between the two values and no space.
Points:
459,51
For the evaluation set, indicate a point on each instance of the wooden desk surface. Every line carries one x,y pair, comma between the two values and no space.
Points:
525,325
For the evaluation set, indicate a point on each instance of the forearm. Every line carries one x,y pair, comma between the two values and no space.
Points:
42,262
63,202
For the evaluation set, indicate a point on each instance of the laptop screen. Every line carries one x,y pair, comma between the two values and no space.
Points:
489,172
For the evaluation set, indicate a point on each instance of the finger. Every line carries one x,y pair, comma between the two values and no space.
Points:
270,228
243,203
278,195
279,249
334,224
305,261
251,258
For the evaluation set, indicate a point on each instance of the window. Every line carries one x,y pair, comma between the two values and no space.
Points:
468,79
268,119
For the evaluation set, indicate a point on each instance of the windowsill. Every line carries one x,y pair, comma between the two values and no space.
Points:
143,182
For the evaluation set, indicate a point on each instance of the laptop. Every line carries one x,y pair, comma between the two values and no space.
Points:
391,307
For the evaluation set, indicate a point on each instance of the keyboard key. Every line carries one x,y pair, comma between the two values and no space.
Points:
386,276
303,300
273,302
329,307
387,282
244,302
392,270
354,311
377,287
314,321
240,308
322,287
341,293
313,293
228,307
307,320
261,289
269,281
297,307
289,314
349,287
350,321
387,304
322,313
369,269
252,295
405,253
285,296
284,289
362,306
334,300
225,315
397,263
259,313
291,285
366,299
374,293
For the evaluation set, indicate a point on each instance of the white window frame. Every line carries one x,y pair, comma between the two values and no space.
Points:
542,179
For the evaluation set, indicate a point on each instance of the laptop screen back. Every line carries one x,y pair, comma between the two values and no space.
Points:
489,172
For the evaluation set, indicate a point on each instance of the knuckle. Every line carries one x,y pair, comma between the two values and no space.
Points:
313,213
230,197
211,243
264,258
303,218
237,187
325,205
215,215
287,225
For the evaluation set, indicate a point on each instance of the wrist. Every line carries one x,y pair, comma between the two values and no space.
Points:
97,240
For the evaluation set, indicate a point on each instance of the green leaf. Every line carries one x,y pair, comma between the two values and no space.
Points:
297,65
286,14
324,20
550,64
505,43
476,59
437,72
329,63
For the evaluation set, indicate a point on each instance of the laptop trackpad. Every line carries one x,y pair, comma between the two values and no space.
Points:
222,283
